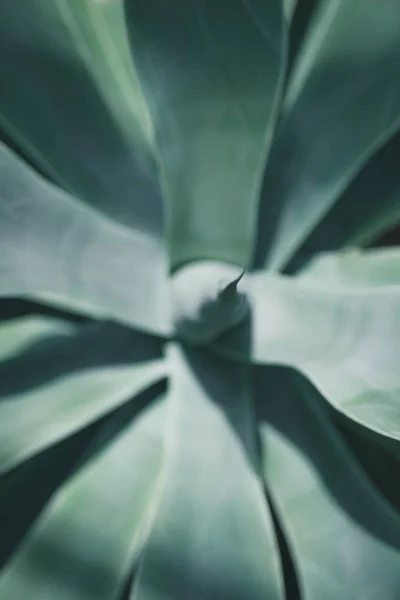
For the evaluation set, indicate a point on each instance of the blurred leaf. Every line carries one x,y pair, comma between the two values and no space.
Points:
379,456
53,247
36,479
72,103
211,73
342,105
299,24
289,6
83,545
367,208
61,383
19,335
345,339
12,307
355,268
343,536
212,535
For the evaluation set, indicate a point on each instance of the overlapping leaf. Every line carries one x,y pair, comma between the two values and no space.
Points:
60,383
18,335
71,102
53,246
212,536
346,339
344,539
211,74
368,207
84,543
342,105
37,478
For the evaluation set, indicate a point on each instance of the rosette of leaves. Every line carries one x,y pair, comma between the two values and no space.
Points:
169,428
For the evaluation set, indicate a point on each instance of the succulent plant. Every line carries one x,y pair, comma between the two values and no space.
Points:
201,400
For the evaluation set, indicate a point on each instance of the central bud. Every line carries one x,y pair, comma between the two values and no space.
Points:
208,300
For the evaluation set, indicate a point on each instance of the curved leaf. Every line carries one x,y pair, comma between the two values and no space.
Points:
346,340
342,105
18,335
83,545
53,246
212,535
355,268
344,538
211,73
62,383
71,102
368,207
37,479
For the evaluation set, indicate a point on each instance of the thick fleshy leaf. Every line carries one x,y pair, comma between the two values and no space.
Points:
61,383
37,479
70,101
53,246
289,7
212,536
345,339
211,73
18,335
343,537
83,544
342,105
369,207
355,268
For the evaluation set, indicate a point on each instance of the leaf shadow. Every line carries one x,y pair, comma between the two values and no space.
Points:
96,345
299,176
27,489
302,419
374,190
14,307
222,380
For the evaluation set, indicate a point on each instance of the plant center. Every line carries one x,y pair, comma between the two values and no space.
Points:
208,299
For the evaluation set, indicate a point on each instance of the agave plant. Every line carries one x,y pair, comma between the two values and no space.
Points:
204,402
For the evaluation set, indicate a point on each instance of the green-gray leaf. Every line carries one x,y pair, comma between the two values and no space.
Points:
342,104
72,103
343,537
70,379
211,73
345,339
84,543
53,246
18,335
289,7
355,268
368,207
212,537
